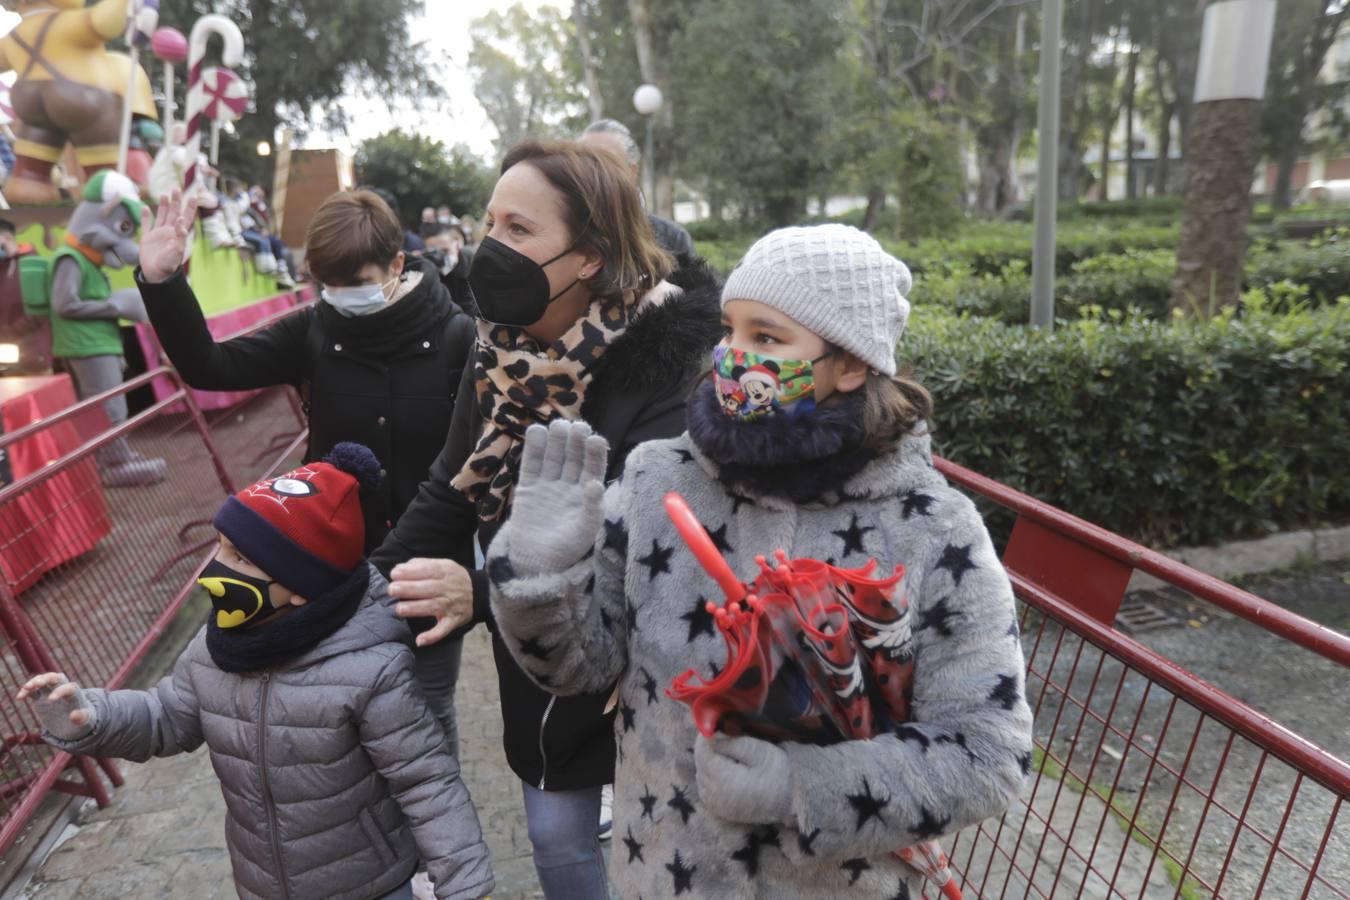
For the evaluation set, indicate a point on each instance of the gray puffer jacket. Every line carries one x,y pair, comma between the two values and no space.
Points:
334,771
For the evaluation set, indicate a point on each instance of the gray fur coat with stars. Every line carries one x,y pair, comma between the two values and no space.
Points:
633,612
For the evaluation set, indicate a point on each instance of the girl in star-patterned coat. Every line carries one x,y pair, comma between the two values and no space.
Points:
593,587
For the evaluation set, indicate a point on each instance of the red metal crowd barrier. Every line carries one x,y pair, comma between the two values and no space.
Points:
1148,781
93,575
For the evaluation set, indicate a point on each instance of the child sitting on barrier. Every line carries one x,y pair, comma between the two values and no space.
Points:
334,771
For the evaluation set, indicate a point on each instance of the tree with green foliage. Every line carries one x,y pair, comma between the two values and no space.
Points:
756,115
525,77
422,172
301,56
1304,33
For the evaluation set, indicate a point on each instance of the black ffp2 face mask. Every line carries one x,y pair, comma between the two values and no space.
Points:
509,287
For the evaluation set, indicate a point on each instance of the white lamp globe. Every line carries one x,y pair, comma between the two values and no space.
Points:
647,99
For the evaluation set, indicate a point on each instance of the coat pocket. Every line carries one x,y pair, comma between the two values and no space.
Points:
375,835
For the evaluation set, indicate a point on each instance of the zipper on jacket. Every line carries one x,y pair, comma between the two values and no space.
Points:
543,723
266,786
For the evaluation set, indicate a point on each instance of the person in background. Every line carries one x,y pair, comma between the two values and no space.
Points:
615,136
30,336
444,216
7,156
473,232
378,359
576,321
445,250
257,222
428,215
412,242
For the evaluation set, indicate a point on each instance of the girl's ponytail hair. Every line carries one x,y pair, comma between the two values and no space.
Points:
892,407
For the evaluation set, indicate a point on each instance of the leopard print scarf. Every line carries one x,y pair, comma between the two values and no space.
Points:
520,384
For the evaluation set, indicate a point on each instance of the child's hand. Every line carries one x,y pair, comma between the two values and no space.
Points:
61,706
743,779
559,504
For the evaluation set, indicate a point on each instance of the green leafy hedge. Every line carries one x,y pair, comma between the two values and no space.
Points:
989,250
1287,274
1174,433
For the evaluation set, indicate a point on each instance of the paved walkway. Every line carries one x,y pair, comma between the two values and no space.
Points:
163,837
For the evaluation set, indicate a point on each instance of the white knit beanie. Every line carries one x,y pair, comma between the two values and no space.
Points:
836,281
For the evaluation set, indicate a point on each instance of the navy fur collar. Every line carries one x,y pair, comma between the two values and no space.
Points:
801,458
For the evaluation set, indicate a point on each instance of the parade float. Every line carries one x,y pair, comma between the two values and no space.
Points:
72,107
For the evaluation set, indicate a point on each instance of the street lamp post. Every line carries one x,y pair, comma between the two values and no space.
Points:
1047,170
647,101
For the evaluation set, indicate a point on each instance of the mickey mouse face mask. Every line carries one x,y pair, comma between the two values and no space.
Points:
751,386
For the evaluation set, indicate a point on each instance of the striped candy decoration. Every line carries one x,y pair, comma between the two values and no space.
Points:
197,100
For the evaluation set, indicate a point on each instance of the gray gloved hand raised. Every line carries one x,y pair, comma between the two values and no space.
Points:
559,503
743,779
60,705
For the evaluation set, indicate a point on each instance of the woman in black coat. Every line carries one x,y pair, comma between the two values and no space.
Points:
378,361
576,321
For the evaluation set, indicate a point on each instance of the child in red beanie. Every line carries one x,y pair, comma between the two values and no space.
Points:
335,773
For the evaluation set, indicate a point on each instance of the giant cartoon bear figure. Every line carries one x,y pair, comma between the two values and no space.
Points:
85,310
70,89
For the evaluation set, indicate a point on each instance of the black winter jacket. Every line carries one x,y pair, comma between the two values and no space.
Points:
639,393
386,380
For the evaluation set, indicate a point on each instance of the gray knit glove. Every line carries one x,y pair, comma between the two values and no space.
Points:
743,779
129,305
54,712
559,504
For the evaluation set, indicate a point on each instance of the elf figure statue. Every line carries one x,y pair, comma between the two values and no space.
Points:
70,89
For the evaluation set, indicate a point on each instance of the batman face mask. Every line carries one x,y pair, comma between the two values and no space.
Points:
236,599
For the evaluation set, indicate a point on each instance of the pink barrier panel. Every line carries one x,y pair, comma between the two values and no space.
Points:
103,571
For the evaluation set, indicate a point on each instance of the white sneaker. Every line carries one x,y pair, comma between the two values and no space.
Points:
422,888
606,830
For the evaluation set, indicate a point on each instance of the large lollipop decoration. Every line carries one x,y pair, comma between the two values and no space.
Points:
198,99
170,48
225,98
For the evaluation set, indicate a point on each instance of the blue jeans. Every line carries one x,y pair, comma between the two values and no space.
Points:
402,893
567,854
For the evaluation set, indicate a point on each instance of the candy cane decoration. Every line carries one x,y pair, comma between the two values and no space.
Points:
224,98
232,56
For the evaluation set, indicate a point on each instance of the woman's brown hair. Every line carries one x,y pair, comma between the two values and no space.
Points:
351,230
603,212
